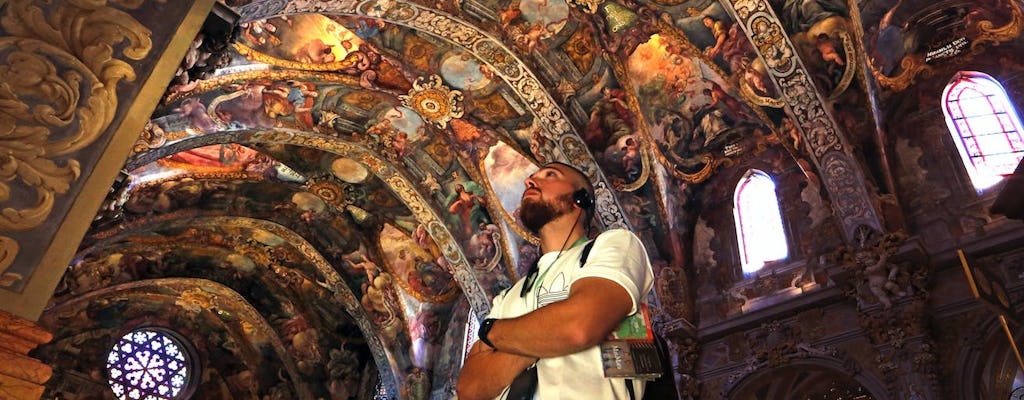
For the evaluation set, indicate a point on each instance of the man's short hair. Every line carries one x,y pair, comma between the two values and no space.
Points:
582,182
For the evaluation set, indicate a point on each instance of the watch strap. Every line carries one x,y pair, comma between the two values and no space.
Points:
485,328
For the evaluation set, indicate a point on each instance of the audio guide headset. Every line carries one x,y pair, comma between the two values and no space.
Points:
582,199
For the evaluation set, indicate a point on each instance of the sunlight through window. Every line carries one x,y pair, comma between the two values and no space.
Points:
985,127
758,222
149,364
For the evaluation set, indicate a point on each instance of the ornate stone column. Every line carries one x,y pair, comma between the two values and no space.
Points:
21,377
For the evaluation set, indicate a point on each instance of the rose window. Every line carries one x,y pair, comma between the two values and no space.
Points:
150,364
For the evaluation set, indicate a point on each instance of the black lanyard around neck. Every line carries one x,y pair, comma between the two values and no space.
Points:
531,276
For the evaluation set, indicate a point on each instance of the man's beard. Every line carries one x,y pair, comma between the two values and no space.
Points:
535,212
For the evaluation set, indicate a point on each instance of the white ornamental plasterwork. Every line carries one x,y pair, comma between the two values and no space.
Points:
770,41
846,191
744,8
817,126
843,180
553,122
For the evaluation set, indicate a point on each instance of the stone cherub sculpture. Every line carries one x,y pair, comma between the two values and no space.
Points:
871,264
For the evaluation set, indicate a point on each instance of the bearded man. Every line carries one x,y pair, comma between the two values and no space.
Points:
552,321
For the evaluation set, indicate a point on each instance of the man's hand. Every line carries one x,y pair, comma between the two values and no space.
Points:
594,308
487,372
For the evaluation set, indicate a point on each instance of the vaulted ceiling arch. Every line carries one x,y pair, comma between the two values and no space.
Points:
554,124
327,276
421,208
204,298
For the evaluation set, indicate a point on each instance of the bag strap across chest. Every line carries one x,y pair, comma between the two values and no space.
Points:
586,252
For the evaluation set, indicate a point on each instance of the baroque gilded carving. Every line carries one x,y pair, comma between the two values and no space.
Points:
983,33
686,352
58,79
906,354
25,376
434,101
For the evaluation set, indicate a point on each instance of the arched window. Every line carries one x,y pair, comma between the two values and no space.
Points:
151,364
985,127
758,221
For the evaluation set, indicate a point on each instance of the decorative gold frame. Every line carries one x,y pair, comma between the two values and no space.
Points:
72,227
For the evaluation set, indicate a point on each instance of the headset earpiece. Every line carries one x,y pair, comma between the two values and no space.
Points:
582,199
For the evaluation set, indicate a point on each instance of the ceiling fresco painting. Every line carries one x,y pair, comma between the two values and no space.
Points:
243,353
304,38
453,183
822,34
506,171
709,28
694,138
419,266
523,84
291,303
297,277
905,38
342,197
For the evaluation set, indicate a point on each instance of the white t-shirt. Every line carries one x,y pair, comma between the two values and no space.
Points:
617,255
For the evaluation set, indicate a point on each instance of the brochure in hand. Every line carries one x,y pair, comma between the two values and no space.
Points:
630,352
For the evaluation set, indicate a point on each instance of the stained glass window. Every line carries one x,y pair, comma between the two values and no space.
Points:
150,364
985,127
758,222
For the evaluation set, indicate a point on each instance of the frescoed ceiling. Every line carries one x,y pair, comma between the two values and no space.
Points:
349,170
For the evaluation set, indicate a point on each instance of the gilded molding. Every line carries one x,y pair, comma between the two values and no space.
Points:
434,101
993,34
59,72
911,67
255,55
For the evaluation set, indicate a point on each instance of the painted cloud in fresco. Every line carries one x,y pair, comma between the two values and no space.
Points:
506,170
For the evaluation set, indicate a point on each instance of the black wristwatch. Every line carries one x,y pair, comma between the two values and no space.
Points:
485,328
